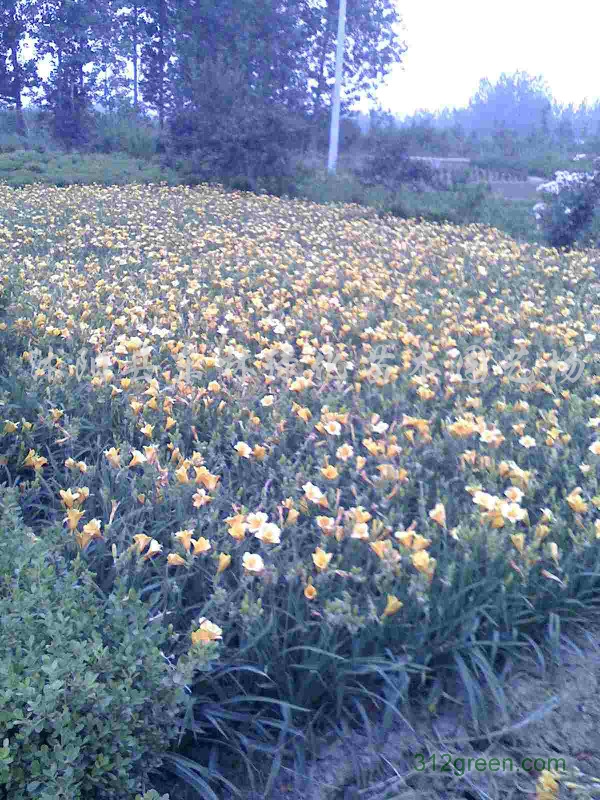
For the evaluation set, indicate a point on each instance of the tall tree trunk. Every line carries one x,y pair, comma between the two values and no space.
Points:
320,87
17,84
161,64
135,56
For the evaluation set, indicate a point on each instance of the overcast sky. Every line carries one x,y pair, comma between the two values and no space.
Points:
454,43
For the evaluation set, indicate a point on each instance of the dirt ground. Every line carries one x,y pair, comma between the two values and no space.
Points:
552,714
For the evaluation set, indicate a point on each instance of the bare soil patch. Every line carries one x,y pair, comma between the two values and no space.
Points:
552,714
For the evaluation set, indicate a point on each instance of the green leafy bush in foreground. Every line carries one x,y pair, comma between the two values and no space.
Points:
86,698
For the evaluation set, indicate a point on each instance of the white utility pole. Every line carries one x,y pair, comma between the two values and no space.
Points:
334,133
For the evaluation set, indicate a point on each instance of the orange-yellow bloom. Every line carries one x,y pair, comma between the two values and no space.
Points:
392,607
546,787
269,533
147,430
327,524
93,528
137,458
255,521
360,515
344,452
419,543
68,498
387,472
113,456
243,450
238,530
321,559
202,545
421,560
185,538
360,531
253,562
182,474
204,477
153,550
313,493
310,592
207,632
576,503
438,514
405,537
73,517
224,562
141,541
383,548
292,516
259,452
200,498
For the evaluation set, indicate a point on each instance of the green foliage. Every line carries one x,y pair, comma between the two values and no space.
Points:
236,139
26,167
461,205
387,163
569,206
124,131
87,700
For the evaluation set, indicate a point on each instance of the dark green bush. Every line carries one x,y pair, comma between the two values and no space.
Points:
387,161
567,215
87,699
252,153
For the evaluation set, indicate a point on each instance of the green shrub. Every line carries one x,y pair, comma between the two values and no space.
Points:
124,131
23,168
569,207
86,699
251,154
387,161
464,206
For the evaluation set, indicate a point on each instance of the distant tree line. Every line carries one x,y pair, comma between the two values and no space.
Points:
515,113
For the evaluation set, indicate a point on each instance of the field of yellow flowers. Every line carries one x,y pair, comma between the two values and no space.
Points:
358,454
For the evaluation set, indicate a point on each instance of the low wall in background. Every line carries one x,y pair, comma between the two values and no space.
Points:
503,183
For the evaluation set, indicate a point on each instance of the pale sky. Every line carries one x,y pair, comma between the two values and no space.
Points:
454,43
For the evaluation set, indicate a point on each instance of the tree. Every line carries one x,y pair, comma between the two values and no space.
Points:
287,50
77,34
130,35
17,74
157,56
517,102
373,46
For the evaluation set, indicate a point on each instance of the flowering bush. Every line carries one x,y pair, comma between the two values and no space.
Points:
569,206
